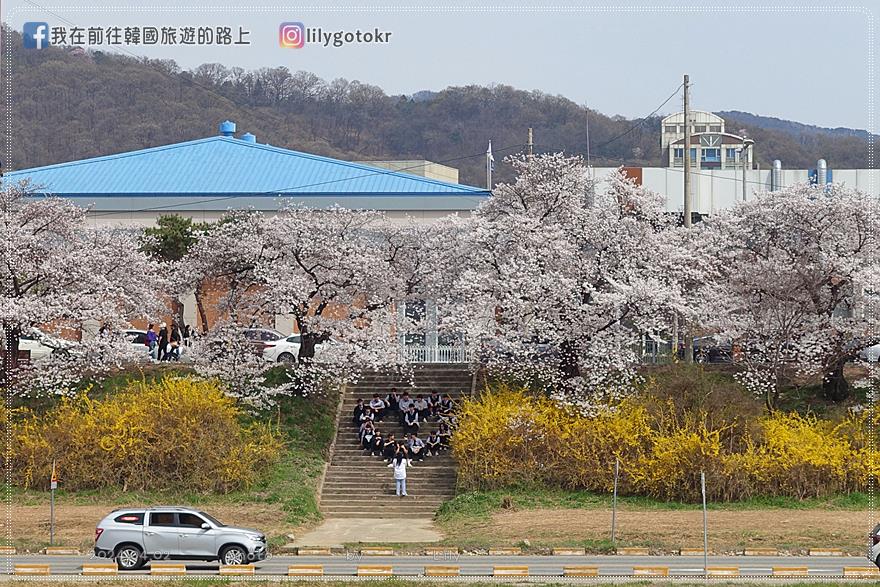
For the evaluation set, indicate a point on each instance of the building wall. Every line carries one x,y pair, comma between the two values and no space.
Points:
420,167
698,118
148,219
715,190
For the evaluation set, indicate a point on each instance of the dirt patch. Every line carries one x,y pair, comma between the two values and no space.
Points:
670,530
75,523
661,530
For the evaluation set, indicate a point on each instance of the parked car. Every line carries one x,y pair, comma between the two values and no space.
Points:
707,349
261,337
138,340
283,350
41,345
286,350
874,546
870,354
132,536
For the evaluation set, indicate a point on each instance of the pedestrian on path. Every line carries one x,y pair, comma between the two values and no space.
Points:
163,342
400,463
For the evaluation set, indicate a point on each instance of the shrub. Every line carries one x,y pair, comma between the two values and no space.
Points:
509,437
173,433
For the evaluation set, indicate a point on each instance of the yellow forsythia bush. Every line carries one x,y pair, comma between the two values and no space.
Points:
508,437
174,433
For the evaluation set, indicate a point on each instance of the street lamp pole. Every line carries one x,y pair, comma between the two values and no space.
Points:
744,159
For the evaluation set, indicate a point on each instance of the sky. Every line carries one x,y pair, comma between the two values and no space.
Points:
808,63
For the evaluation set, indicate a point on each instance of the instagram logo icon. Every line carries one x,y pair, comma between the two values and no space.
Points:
291,35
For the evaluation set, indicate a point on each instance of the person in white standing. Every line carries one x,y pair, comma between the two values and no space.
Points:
400,463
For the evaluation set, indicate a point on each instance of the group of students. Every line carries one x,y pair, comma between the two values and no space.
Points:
411,413
165,345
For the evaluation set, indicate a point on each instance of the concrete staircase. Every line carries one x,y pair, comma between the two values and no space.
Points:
358,485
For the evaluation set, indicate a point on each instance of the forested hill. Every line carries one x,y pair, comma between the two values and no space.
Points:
72,104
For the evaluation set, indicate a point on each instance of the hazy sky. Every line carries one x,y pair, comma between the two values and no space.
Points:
806,64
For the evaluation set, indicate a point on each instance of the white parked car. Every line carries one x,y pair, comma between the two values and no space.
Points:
870,354
286,350
138,340
282,350
41,345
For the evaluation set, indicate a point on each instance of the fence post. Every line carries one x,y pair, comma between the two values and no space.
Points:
705,526
614,501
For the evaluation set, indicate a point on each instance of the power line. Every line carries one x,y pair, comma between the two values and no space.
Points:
640,121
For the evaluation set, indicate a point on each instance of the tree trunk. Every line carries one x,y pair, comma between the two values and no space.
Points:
200,305
834,385
568,361
307,346
177,312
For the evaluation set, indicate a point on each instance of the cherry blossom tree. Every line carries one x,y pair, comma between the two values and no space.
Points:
791,276
563,274
169,242
331,272
58,272
337,272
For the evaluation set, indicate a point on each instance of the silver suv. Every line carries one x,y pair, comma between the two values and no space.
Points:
874,546
132,536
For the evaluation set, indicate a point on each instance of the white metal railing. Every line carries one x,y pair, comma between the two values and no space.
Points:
437,354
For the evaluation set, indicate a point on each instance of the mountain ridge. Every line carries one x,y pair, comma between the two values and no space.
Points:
70,105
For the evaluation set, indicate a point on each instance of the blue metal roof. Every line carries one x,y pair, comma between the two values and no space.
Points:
227,166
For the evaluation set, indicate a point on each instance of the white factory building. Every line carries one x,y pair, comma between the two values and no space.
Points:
716,189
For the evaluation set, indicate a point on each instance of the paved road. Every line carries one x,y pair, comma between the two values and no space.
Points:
482,565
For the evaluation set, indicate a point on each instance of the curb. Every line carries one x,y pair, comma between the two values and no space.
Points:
60,550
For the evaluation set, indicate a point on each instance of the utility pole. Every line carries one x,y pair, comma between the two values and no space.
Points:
531,143
688,339
587,123
490,166
747,143
687,153
591,195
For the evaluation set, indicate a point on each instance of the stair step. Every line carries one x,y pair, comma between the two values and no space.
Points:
385,476
420,498
425,388
382,515
400,505
425,486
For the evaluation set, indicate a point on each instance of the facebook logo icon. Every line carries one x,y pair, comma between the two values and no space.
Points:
35,35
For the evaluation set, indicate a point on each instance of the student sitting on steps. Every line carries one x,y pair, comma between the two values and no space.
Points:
391,401
423,408
445,434
432,444
358,411
367,433
434,404
377,404
416,447
404,404
411,420
446,407
389,448
377,445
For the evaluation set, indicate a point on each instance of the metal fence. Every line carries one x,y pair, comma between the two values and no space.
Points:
437,354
